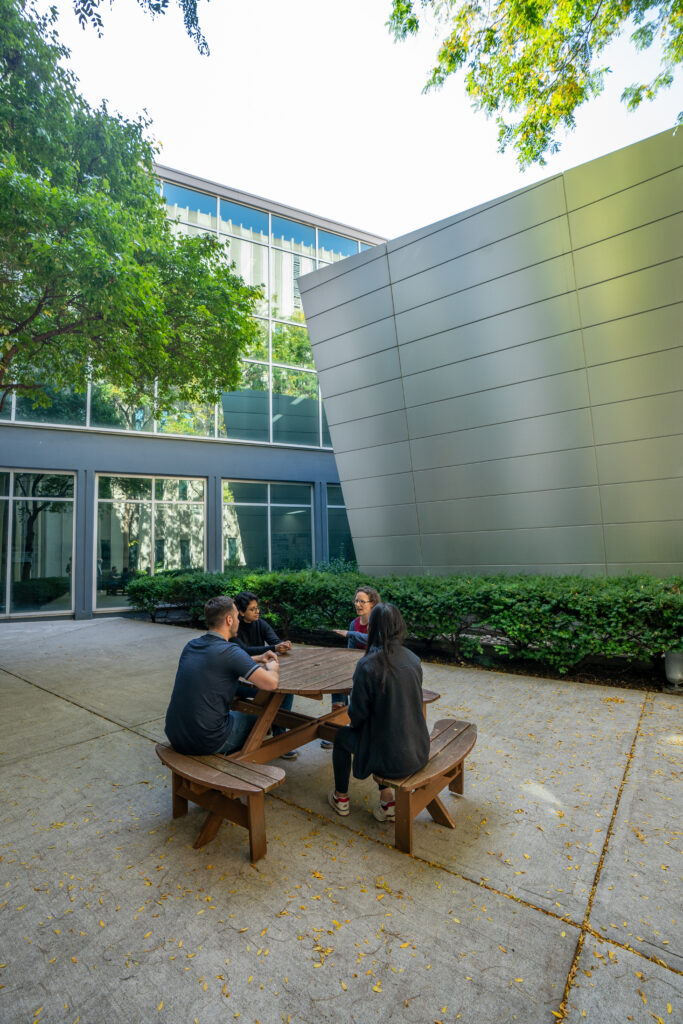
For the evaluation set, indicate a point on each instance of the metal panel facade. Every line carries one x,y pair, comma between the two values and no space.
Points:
505,387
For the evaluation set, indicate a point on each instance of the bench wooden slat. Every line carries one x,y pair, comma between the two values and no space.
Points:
217,783
450,743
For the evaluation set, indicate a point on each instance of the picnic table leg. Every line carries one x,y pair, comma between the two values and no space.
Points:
256,809
208,830
179,802
439,813
403,828
457,785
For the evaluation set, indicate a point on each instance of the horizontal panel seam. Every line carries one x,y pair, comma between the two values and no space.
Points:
621,191
627,231
627,273
515,309
477,248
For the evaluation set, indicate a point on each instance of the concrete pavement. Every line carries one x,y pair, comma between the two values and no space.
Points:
558,895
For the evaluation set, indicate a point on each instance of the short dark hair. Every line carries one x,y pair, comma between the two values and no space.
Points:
244,599
216,609
371,592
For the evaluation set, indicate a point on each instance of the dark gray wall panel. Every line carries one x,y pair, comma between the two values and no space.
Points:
635,335
554,569
358,373
632,293
644,501
497,369
635,378
622,169
481,226
393,520
350,315
530,436
651,459
532,547
387,490
629,251
644,542
554,318
540,408
523,288
544,242
376,461
567,507
536,398
644,417
369,277
376,337
369,431
641,204
404,549
574,468
666,568
386,397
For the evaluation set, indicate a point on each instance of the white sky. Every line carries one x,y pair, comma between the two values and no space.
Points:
311,103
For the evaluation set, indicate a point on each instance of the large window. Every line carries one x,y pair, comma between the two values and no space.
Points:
278,401
36,542
340,541
145,525
267,525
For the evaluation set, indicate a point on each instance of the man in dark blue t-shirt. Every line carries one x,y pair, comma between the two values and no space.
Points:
199,719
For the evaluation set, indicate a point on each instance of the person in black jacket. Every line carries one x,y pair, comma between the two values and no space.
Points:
388,735
256,635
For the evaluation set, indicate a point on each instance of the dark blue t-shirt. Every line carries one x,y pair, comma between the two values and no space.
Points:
198,716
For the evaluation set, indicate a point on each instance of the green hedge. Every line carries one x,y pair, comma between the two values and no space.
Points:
554,620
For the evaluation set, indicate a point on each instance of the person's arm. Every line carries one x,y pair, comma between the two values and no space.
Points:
266,678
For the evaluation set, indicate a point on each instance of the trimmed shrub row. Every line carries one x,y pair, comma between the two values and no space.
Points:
553,620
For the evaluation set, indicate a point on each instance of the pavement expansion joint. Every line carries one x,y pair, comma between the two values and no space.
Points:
586,928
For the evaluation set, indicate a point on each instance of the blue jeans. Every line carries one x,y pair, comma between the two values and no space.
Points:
247,690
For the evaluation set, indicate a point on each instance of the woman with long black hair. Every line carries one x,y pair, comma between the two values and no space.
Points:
388,735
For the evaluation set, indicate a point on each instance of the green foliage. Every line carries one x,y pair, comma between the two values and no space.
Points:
534,62
93,280
88,12
27,595
556,621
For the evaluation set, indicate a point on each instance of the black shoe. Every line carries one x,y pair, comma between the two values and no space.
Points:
326,744
291,755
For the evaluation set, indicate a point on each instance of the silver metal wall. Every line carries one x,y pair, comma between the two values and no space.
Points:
504,388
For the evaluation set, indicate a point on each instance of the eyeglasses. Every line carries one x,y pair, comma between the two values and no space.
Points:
358,601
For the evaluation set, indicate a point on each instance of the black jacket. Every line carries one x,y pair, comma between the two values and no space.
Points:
257,637
394,739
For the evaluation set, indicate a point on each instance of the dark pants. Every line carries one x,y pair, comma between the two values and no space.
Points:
345,746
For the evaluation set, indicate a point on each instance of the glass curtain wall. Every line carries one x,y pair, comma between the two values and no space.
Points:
145,525
36,542
279,401
267,525
340,541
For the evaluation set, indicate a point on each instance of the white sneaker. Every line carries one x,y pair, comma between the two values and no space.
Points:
340,806
385,812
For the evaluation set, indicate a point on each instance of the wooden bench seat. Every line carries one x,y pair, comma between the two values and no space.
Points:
219,784
451,742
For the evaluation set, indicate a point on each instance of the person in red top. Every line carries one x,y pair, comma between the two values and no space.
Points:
356,636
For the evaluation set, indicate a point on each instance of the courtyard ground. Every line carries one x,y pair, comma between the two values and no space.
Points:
558,896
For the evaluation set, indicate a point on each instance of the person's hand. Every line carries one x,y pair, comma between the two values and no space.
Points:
283,647
341,632
266,657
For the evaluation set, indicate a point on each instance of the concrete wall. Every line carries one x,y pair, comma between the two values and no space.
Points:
504,388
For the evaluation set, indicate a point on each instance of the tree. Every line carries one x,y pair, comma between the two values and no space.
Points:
534,62
93,281
88,12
